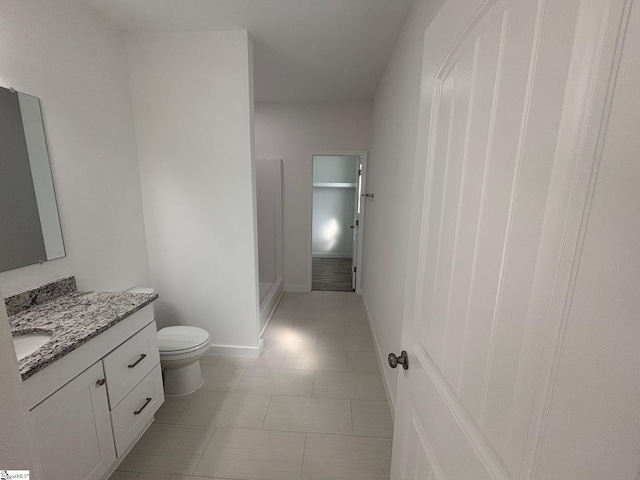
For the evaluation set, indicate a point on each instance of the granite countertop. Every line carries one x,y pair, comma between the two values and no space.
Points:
72,320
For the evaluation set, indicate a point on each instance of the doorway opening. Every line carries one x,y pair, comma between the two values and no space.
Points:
337,220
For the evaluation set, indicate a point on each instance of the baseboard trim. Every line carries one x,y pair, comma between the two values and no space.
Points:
236,350
391,400
269,303
268,312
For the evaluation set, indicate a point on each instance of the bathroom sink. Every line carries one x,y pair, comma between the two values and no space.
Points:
27,343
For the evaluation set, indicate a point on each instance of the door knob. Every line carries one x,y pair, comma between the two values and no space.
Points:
403,359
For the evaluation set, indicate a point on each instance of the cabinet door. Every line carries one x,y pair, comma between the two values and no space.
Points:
73,429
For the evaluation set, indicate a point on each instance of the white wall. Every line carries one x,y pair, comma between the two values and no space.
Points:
332,216
333,168
291,132
65,54
390,173
192,100
68,56
333,207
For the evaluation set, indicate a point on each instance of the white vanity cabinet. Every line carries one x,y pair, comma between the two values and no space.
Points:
72,429
134,386
136,410
128,364
86,419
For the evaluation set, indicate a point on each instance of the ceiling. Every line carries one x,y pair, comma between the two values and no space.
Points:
304,50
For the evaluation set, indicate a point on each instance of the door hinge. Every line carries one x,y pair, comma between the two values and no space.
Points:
359,171
357,223
355,269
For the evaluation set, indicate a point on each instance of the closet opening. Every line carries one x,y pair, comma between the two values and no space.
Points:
337,220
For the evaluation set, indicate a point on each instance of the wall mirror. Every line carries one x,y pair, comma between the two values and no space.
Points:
29,222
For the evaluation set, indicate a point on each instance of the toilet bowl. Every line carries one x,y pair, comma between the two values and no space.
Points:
180,351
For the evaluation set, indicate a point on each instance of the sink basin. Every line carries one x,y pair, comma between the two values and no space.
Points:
27,343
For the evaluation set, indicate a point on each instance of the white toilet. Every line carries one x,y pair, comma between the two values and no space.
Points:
180,349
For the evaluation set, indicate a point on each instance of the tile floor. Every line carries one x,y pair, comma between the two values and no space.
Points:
312,407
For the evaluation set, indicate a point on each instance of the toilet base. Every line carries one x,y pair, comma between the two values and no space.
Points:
182,380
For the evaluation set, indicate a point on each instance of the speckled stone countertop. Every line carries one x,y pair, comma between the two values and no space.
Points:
72,320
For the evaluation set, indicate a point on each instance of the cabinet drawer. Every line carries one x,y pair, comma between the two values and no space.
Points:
130,363
136,410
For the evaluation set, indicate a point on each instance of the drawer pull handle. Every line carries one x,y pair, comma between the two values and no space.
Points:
137,412
101,382
142,357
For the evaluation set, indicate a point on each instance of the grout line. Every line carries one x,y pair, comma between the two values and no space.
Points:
179,414
280,430
204,450
254,429
351,414
266,412
281,364
304,452
235,387
343,435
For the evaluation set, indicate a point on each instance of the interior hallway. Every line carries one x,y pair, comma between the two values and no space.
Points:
311,407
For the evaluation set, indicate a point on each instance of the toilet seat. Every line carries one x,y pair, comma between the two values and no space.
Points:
181,339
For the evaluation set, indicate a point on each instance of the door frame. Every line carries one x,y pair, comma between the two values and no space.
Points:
363,177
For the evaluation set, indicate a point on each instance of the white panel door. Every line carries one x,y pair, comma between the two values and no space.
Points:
358,222
508,88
